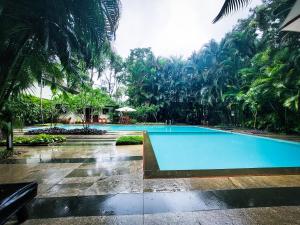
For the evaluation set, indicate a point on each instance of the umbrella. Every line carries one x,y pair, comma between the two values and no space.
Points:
292,21
125,109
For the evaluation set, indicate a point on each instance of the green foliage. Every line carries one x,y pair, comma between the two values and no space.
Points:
95,99
55,40
144,112
26,110
133,121
4,153
130,140
41,139
250,78
229,6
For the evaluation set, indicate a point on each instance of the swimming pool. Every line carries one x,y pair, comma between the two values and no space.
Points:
197,151
217,153
148,128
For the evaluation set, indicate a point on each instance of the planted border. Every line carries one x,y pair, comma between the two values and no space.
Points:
42,139
62,131
130,140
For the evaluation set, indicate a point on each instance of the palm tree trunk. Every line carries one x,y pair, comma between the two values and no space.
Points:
9,137
41,100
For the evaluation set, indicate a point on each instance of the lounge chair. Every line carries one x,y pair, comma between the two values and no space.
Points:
13,200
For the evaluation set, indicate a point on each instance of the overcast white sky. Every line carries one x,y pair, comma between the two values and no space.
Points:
172,27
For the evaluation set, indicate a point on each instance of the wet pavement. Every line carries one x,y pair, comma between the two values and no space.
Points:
153,203
100,183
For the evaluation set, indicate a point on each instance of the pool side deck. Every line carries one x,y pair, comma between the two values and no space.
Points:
286,137
96,182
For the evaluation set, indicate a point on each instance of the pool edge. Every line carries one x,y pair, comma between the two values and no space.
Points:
151,168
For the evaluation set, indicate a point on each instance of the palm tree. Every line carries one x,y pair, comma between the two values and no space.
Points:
230,6
37,35
45,32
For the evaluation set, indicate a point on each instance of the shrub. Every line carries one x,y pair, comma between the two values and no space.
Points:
146,113
57,130
27,111
133,121
4,153
42,139
130,140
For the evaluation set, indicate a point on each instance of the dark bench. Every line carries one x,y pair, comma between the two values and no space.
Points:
13,200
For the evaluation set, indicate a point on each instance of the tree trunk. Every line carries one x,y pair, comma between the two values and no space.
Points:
9,137
255,117
41,100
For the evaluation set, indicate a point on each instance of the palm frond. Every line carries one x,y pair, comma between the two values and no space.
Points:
230,6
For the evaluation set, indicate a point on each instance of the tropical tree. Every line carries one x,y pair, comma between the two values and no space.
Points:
250,78
88,98
50,39
34,36
230,6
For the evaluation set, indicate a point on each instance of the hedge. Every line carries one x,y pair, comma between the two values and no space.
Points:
130,140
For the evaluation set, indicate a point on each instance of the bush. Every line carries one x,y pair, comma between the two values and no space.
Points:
27,111
4,153
42,139
57,130
130,140
133,121
146,113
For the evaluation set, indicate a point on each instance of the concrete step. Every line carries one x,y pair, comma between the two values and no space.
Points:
90,140
88,137
87,143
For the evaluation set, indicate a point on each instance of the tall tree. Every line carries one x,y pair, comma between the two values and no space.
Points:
42,33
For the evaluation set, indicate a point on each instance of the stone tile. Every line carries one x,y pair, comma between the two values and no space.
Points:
214,183
100,173
48,176
165,185
286,215
129,150
81,206
91,220
47,166
43,189
75,151
187,218
75,180
252,216
266,181
15,173
130,167
116,184
60,190
224,217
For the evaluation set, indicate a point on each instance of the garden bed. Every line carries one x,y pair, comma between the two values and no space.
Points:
39,140
62,131
129,140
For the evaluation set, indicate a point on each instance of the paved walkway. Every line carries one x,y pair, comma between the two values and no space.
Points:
100,183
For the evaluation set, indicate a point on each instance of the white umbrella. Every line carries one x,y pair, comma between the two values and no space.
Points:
125,109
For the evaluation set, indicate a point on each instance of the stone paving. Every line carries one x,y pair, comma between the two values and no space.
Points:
113,173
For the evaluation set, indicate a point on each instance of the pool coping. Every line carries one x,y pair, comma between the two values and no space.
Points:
151,168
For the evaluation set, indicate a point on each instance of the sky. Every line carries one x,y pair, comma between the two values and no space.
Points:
172,27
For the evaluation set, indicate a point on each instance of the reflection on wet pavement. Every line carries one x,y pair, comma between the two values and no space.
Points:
151,203
101,183
119,204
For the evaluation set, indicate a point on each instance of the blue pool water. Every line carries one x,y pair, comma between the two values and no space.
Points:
197,151
149,128
197,148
